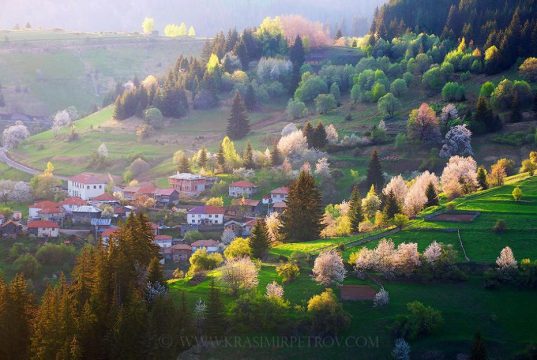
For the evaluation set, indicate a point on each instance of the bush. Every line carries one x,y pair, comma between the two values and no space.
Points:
258,313
310,88
27,265
288,271
500,226
153,117
240,247
296,109
325,103
56,255
421,320
398,87
528,69
453,91
327,315
202,261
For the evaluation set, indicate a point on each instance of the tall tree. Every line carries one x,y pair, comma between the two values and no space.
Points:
154,272
297,56
184,164
309,134
355,210
202,159
248,158
250,100
215,318
238,125
482,178
302,219
259,240
391,206
432,196
276,157
319,136
374,172
221,158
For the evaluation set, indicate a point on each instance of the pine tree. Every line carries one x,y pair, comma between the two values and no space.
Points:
250,100
391,206
319,136
297,56
355,210
259,240
309,134
482,178
374,172
248,158
485,115
516,114
221,158
202,160
479,351
339,34
276,157
184,164
154,272
215,318
238,125
119,108
302,219
432,196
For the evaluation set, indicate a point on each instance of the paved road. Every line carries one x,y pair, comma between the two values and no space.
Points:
21,167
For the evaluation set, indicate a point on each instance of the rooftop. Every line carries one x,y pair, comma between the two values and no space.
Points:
44,204
244,202
280,190
42,224
105,197
86,209
207,209
186,176
164,192
90,178
243,184
73,200
205,243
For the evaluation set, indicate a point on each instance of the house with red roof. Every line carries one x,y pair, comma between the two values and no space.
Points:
245,207
104,198
211,246
242,227
163,241
206,214
181,252
242,189
72,203
34,209
10,229
87,185
165,197
44,229
56,214
279,194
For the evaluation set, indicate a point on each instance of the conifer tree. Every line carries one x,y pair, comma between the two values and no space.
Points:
184,164
297,56
482,178
276,157
302,219
355,210
374,172
391,206
250,100
479,351
154,272
202,160
319,137
215,318
238,125
309,133
516,114
259,240
432,196
485,115
248,158
221,158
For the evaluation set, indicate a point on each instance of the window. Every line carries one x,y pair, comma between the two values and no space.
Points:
88,187
95,186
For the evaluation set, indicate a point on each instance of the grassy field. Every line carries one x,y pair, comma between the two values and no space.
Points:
78,68
466,306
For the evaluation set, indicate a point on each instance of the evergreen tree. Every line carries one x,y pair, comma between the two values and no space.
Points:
432,196
482,178
302,219
250,100
485,115
221,158
339,34
297,56
119,108
319,136
154,272
391,206
184,164
479,351
215,318
276,157
374,172
355,210
248,158
2,100
309,134
259,240
516,114
238,125
202,160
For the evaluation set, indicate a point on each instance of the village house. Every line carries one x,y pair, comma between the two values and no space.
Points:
279,195
129,192
240,228
166,197
44,229
105,235
104,199
34,209
205,214
188,184
242,189
211,246
71,203
245,207
55,214
84,214
279,207
10,229
181,252
163,241
87,185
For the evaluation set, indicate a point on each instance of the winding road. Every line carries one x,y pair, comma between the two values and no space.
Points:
21,167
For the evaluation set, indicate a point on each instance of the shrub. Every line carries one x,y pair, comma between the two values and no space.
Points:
296,109
517,193
202,261
421,320
239,273
382,298
398,87
327,315
500,226
528,69
259,313
240,247
288,271
453,91
56,255
325,103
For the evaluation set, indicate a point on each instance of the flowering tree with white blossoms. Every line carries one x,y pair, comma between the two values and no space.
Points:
329,268
416,197
399,188
432,253
239,273
14,135
102,151
458,141
274,290
61,120
322,168
331,134
293,143
288,129
459,176
382,298
506,261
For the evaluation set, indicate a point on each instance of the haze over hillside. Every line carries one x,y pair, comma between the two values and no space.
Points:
207,16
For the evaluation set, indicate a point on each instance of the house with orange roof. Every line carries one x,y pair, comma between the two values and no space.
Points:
181,252
87,185
242,189
279,194
71,203
205,214
44,229
165,197
34,209
105,198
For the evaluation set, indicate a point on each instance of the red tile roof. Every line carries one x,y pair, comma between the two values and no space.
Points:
280,190
207,209
163,237
44,204
280,205
51,210
108,232
90,178
105,197
165,192
42,224
178,247
73,200
244,202
147,189
205,243
243,184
